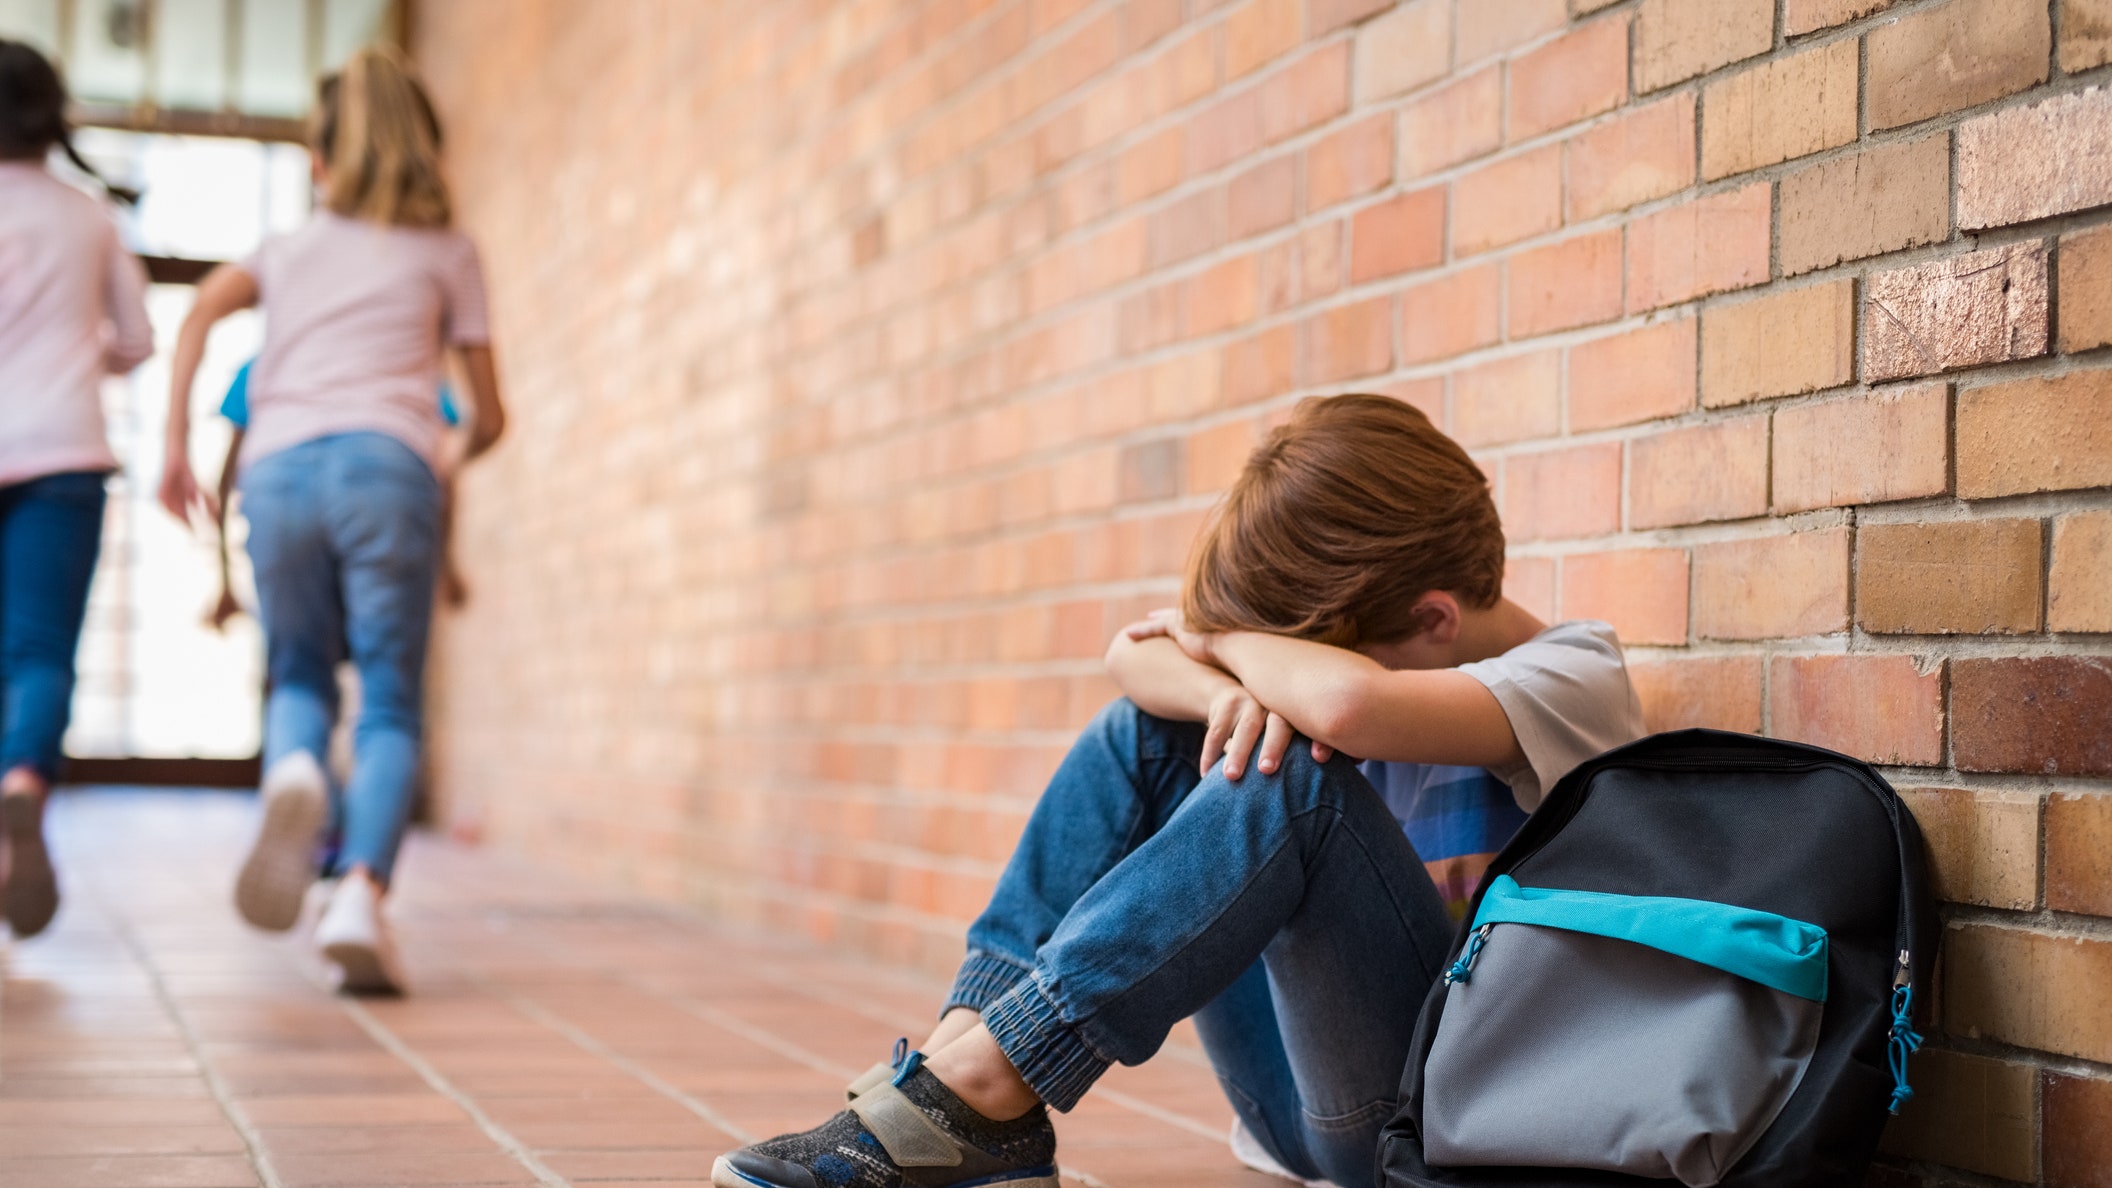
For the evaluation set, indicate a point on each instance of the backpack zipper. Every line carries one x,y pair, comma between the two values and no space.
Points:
1902,1041
1463,968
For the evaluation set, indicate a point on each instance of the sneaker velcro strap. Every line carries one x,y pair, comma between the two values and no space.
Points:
912,1139
869,1080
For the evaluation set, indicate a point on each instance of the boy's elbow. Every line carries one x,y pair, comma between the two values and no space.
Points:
1340,715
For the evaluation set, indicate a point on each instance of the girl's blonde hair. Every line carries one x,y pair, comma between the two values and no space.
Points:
379,140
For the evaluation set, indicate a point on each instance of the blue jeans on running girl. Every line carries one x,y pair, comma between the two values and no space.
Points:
1288,913
51,529
344,535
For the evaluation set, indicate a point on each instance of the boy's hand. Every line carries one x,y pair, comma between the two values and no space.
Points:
1167,621
1236,723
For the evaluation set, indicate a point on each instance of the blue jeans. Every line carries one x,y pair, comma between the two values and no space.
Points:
344,534
1287,913
51,529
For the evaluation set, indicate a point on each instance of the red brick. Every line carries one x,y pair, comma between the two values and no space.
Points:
1637,375
1323,259
1306,94
2086,289
1226,131
1881,709
2086,34
1969,577
1259,367
1719,692
1216,455
1697,474
1452,314
1641,592
1149,471
1400,234
2077,1130
1262,198
1563,494
1426,394
1981,307
1969,1112
2046,715
2079,853
1955,55
1530,582
1646,153
1678,39
1326,16
1492,26
2025,163
1565,285
1510,399
1790,107
1259,32
1871,448
1743,355
1508,201
1406,48
1349,341
2079,598
2035,435
1223,296
1187,228
1890,197
1571,78
2028,988
1355,160
1772,587
1149,167
1705,246
1457,122
1806,16
1983,844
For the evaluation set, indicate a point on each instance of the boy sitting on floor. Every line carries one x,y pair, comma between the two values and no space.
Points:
1207,848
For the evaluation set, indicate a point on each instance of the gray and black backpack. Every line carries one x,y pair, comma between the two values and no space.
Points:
1698,961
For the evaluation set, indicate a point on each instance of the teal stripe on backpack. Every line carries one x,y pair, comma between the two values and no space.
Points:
1775,951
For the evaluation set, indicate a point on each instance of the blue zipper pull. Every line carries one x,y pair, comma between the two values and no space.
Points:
1464,967
1904,1041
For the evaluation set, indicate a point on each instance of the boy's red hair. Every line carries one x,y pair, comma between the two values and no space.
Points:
1348,513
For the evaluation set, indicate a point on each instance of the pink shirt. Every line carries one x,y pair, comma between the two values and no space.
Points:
356,315
72,310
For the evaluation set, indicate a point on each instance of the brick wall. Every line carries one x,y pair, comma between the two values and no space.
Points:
874,360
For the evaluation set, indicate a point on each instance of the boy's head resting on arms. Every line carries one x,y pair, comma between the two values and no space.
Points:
1357,523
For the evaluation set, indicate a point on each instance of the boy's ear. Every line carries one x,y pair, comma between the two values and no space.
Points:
1436,617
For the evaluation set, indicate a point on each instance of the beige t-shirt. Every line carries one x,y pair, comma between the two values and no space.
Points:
1567,693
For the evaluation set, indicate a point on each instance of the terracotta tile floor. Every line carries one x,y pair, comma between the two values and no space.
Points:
558,1034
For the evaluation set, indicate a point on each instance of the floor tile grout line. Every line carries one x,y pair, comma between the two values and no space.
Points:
223,1096
652,1080
506,1140
881,1015
718,1017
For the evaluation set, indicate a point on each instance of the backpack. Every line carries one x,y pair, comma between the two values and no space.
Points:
1698,960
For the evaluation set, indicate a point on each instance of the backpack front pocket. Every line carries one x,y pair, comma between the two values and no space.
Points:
1653,1036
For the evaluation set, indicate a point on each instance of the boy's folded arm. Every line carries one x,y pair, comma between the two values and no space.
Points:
1161,678
1350,702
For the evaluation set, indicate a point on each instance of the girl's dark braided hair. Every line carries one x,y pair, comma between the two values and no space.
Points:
33,113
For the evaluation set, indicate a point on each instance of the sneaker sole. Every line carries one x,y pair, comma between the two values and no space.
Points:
723,1176
32,884
362,968
281,864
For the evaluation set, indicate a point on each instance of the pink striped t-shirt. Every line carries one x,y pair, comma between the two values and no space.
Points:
356,316
72,310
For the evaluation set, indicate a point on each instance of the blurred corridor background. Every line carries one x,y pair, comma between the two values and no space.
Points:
871,361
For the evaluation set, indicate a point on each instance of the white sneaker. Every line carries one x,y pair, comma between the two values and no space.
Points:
281,863
1248,1150
354,936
